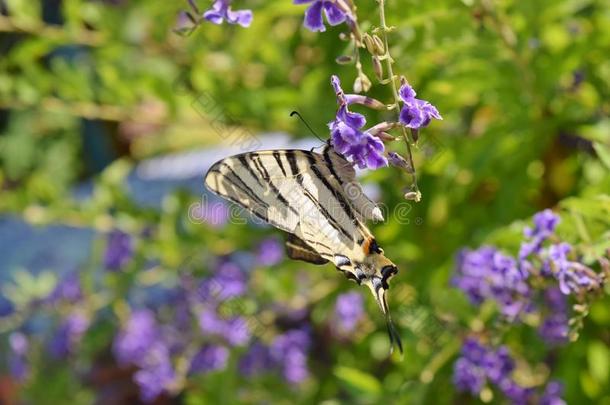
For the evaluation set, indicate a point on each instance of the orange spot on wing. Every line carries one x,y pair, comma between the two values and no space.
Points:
366,245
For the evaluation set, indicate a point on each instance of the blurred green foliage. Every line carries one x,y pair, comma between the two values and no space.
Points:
524,89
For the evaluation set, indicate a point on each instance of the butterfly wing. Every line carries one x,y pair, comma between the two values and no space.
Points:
296,191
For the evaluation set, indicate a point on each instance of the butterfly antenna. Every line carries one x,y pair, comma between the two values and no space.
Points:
298,114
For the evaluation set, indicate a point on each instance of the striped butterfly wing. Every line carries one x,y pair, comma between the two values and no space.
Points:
301,192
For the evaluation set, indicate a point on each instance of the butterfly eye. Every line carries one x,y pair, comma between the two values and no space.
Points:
388,271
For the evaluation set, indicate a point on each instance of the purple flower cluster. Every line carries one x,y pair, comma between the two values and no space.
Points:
347,136
335,14
221,11
141,343
151,342
416,113
480,365
537,281
287,353
349,310
487,274
119,249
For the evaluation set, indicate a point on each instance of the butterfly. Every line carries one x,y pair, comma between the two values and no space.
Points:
315,198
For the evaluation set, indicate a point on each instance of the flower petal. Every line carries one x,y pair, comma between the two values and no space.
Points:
407,93
334,14
241,17
352,119
313,18
213,16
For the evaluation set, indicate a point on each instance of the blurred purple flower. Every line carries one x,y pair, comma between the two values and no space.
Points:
416,113
17,362
156,373
256,359
573,277
289,351
552,394
119,249
348,311
478,364
228,282
221,11
68,335
555,327
488,274
235,330
313,15
545,223
209,358
517,394
348,139
467,376
135,339
270,252
67,289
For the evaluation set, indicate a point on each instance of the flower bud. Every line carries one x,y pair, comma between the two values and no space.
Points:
362,83
344,59
413,196
378,45
369,43
377,68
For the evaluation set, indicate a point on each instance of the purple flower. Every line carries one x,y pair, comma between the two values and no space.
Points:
209,358
573,277
256,359
235,330
335,15
270,252
416,113
517,394
555,327
479,364
488,274
119,250
17,363
135,339
348,139
545,223
156,373
467,376
221,11
348,311
68,335
67,289
290,352
552,394
228,282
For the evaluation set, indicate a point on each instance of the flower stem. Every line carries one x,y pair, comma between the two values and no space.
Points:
384,29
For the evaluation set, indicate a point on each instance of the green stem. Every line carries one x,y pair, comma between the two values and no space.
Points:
392,79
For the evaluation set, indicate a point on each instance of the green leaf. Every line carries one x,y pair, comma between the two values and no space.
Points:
598,357
358,380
